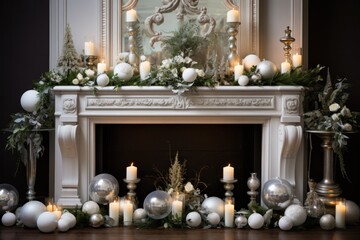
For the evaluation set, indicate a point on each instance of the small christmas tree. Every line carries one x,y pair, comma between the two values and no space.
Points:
70,59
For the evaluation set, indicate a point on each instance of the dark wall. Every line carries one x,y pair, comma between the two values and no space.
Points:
25,55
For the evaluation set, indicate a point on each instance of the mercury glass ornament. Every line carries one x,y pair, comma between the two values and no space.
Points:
96,220
313,205
253,184
157,204
277,193
103,188
9,197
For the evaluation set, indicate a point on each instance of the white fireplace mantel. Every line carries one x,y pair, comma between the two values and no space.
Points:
77,110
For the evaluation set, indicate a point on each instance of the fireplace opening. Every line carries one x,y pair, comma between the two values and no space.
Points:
206,148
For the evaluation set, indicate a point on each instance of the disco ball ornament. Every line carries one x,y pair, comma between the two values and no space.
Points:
30,212
96,220
103,188
157,204
9,197
277,193
214,204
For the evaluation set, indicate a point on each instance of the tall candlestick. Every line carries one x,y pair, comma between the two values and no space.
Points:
238,71
285,67
229,213
340,213
89,49
101,67
131,172
233,16
131,16
228,173
128,213
297,60
114,211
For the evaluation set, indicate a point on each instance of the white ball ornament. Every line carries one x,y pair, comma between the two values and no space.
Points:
63,225
102,80
29,100
256,221
139,214
90,207
8,219
243,80
296,213
251,60
47,222
189,75
30,212
193,219
285,223
352,214
70,218
214,204
267,69
213,219
241,221
327,222
124,71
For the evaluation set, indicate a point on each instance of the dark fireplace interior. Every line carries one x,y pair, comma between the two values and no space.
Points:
206,148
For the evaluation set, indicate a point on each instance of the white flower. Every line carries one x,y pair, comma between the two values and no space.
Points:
334,107
346,112
79,76
170,191
75,81
200,72
335,117
182,69
189,187
347,127
174,71
89,72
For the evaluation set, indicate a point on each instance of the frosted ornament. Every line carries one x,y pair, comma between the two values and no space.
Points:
213,219
63,225
90,207
30,212
47,222
189,75
124,71
256,221
285,223
8,219
29,100
243,80
102,80
193,219
250,60
296,213
70,218
266,69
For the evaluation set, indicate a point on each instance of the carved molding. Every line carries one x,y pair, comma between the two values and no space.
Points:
69,106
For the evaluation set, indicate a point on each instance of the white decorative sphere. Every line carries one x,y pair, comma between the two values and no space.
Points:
124,71
241,221
47,222
243,80
250,60
189,75
90,207
30,212
102,80
296,213
214,204
63,225
8,219
256,221
267,69
70,218
29,100
327,222
193,219
213,219
285,223
352,214
139,214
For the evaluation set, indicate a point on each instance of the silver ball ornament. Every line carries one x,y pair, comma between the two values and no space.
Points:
327,222
277,193
214,204
8,219
241,221
256,220
352,214
103,188
266,69
139,214
96,220
213,219
9,197
30,212
157,204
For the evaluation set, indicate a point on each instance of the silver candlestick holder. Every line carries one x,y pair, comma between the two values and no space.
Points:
233,57
131,186
287,40
253,184
228,186
131,27
90,61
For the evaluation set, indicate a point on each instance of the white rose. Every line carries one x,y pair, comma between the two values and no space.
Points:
346,112
200,72
189,187
89,72
79,76
335,117
334,107
347,127
75,81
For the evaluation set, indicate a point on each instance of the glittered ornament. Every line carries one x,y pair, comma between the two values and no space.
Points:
241,221
8,219
96,220
327,222
193,219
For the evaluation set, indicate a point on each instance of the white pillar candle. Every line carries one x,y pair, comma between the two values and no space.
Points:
233,16
340,213
144,69
229,214
238,71
57,212
49,207
297,60
114,211
128,213
176,209
101,67
89,49
131,16
285,67
131,172
228,173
